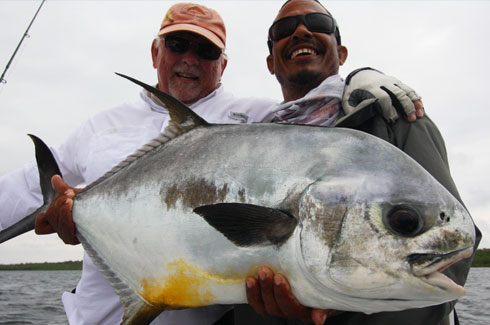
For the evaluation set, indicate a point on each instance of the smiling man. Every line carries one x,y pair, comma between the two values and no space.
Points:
184,75
302,65
188,55
305,56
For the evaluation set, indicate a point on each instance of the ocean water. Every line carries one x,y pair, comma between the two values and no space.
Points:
34,297
474,308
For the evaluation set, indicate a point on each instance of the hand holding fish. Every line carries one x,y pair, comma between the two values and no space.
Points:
58,218
270,294
347,234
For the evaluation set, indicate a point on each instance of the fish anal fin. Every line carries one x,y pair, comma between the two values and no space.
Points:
136,309
140,312
248,224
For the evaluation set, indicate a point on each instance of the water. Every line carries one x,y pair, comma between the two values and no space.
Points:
474,308
34,297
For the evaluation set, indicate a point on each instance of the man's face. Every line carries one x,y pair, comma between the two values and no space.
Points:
304,58
186,76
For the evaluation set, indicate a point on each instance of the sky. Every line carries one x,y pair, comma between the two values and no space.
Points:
64,73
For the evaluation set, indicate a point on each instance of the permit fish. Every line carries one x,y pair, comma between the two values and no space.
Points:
351,221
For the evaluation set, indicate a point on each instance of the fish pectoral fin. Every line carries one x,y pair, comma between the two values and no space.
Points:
248,224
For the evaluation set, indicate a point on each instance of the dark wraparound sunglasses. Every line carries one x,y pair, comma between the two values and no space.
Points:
315,22
207,50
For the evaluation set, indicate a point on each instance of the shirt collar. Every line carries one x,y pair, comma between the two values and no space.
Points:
333,86
157,105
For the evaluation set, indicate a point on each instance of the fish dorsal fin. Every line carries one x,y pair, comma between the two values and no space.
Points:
179,112
182,119
248,224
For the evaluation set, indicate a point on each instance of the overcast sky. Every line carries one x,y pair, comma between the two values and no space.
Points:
64,73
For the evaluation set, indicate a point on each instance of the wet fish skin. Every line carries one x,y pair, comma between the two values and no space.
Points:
350,179
185,223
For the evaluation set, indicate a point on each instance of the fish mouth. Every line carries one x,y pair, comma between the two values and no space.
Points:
429,268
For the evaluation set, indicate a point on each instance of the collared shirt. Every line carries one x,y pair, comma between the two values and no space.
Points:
93,149
320,106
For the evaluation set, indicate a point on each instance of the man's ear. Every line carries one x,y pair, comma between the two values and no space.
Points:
154,52
342,53
270,63
224,64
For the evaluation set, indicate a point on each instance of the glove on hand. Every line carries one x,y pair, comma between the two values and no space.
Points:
393,96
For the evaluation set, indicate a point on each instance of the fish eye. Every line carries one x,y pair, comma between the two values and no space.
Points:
404,221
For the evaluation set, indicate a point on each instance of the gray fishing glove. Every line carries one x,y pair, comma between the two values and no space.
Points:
366,85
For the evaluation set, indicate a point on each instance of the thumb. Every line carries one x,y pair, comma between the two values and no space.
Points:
358,99
346,106
61,187
319,316
364,103
42,226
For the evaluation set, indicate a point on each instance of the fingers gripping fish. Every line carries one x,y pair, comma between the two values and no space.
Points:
352,222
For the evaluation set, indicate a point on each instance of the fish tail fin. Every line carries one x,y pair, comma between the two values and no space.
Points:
47,167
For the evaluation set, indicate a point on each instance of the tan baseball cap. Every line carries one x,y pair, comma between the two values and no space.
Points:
197,19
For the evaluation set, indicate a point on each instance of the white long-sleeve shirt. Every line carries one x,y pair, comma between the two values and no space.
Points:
93,149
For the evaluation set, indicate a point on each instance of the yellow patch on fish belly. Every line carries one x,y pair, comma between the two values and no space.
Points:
186,286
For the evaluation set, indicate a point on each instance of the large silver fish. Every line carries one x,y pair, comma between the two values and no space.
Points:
351,221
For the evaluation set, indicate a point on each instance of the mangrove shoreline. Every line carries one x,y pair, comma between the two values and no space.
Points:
482,259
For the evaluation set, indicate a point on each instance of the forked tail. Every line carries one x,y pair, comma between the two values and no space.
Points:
47,168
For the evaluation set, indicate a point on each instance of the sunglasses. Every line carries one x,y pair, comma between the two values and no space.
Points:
206,51
316,22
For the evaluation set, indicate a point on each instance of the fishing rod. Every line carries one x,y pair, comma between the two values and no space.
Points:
2,79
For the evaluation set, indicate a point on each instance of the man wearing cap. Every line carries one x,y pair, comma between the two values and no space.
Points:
305,55
189,57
